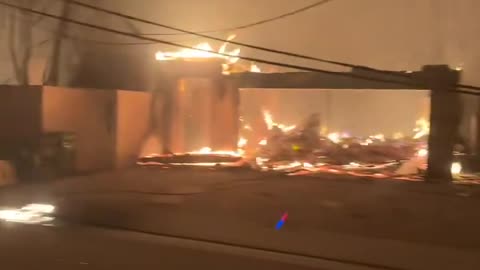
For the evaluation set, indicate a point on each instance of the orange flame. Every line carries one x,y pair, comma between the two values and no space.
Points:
267,116
203,51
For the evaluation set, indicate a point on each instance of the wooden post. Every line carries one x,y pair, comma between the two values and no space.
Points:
444,121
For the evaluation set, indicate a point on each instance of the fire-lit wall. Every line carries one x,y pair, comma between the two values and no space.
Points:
109,125
225,117
20,109
192,114
133,125
90,115
205,115
204,107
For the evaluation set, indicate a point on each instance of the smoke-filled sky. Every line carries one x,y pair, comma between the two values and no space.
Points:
389,34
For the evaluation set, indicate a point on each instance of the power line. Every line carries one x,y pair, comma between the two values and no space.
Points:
75,2
122,15
466,92
72,37
95,41
245,26
258,60
353,66
356,76
468,87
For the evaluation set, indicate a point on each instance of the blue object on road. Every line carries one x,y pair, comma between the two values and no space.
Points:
282,220
279,224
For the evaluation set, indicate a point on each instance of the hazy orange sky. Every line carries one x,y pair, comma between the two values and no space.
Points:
390,34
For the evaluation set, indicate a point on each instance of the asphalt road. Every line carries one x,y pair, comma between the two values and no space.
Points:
384,223
82,247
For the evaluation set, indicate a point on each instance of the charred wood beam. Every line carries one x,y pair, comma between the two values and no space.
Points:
340,80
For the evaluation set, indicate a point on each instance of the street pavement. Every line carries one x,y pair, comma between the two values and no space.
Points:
378,223
79,247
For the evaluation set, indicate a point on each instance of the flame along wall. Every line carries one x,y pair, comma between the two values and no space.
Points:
357,112
199,108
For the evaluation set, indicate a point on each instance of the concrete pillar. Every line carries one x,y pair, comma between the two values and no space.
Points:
444,120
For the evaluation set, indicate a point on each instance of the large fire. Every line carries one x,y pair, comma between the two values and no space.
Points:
300,150
205,51
303,148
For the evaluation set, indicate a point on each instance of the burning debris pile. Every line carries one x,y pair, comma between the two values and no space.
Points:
303,150
205,157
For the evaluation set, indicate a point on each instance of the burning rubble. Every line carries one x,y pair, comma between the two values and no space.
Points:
300,150
303,150
205,157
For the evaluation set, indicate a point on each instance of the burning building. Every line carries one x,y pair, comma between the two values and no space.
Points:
380,133
195,106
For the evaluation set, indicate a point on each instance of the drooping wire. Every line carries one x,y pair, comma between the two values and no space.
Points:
258,60
249,25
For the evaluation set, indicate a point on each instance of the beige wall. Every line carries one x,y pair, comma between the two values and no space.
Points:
88,113
133,125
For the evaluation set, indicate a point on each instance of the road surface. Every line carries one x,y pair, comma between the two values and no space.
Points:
384,223
69,246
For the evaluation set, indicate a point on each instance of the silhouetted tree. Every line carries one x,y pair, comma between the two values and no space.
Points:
19,37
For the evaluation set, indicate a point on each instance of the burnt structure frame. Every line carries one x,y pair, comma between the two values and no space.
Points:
439,79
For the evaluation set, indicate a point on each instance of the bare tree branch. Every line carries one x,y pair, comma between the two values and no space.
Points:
53,76
45,8
20,41
12,26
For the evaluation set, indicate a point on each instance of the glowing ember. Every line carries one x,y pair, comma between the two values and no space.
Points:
208,151
366,142
308,165
291,165
334,137
456,168
422,128
255,68
422,153
242,142
379,137
267,116
398,136
32,213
